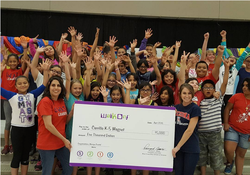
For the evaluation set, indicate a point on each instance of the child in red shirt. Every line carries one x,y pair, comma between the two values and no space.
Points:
8,77
201,68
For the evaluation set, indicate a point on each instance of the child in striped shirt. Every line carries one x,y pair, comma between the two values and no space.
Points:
210,124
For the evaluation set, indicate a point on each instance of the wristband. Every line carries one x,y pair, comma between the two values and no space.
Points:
116,69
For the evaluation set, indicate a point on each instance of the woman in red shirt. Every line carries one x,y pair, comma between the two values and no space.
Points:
52,118
237,128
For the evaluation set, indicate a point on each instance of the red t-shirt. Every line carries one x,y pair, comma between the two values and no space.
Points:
210,68
239,119
58,111
175,89
209,77
8,79
198,97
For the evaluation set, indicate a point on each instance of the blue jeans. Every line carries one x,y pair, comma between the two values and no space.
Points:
47,157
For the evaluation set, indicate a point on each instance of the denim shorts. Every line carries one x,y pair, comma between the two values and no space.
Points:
235,136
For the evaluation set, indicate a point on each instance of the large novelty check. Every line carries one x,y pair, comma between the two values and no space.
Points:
123,136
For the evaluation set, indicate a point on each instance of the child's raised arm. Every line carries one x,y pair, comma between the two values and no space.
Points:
157,44
95,43
181,74
25,68
128,61
7,94
4,53
97,57
106,75
32,46
65,60
242,57
117,71
204,47
104,93
3,66
89,67
111,44
45,66
34,63
223,34
165,55
72,32
133,57
127,86
77,59
73,70
216,69
156,69
139,53
225,77
59,48
176,52
23,43
148,34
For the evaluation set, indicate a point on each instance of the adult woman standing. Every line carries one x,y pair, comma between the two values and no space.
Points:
186,151
52,118
237,128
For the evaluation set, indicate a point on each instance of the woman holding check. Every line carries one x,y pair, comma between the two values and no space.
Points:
186,151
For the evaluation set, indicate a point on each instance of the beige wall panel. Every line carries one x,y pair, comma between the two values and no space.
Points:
32,5
235,10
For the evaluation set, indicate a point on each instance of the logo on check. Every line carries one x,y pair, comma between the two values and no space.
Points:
115,116
100,154
110,154
79,153
90,153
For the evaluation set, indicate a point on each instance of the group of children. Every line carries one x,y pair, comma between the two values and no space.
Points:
200,89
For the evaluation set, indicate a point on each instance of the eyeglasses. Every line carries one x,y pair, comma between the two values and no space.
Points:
111,81
247,61
208,88
56,72
146,90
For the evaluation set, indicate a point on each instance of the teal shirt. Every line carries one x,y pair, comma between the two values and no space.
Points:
133,94
69,104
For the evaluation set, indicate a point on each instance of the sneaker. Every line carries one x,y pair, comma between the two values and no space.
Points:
11,149
38,166
5,150
229,168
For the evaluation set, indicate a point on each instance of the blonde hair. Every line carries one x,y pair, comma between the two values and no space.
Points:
210,51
